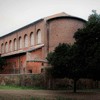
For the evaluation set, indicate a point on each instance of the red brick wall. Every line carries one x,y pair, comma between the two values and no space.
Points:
12,65
18,63
35,67
20,59
37,54
55,32
62,31
21,33
15,64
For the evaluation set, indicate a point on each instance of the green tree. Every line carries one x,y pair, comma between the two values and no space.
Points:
82,59
76,69
88,43
58,60
65,63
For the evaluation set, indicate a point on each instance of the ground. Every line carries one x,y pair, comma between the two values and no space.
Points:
49,94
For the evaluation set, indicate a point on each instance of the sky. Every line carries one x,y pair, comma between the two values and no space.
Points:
15,14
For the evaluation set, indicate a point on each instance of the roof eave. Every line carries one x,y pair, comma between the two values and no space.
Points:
71,17
22,28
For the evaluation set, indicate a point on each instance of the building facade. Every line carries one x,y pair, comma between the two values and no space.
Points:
25,49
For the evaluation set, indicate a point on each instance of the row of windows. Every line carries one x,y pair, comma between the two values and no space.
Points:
12,45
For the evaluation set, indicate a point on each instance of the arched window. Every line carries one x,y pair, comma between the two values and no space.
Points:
25,41
10,45
6,47
2,48
39,36
15,44
20,42
32,38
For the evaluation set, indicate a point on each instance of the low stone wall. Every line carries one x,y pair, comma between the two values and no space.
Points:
66,83
35,80
39,80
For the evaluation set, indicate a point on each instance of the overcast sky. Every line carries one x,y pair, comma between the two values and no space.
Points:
18,13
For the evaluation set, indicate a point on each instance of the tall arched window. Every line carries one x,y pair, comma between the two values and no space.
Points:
32,38
10,45
25,41
2,48
6,47
15,44
20,42
39,36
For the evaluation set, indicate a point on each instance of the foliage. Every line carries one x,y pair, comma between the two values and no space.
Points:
88,43
65,62
82,59
75,64
14,87
58,60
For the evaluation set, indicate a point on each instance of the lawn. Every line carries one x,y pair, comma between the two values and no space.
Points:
27,93
10,87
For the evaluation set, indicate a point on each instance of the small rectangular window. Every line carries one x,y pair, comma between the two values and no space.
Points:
30,71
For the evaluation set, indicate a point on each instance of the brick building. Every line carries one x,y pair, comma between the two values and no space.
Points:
25,49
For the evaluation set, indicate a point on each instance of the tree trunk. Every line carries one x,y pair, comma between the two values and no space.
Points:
96,84
75,81
49,84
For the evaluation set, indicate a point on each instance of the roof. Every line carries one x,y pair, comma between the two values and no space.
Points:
23,51
37,60
62,15
56,15
48,18
68,17
22,28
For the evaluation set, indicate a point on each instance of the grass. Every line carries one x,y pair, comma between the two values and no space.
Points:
85,92
11,87
31,98
17,98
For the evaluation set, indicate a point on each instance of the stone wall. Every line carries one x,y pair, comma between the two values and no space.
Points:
35,80
39,80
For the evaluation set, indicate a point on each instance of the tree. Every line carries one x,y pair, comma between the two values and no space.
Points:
82,59
88,43
58,60
76,69
65,63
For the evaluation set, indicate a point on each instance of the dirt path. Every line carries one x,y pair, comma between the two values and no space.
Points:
49,94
